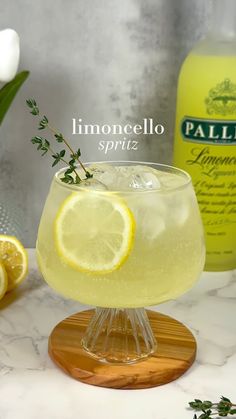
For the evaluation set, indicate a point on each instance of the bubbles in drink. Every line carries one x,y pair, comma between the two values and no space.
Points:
165,226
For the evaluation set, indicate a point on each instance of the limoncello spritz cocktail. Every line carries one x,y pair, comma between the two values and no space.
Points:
127,238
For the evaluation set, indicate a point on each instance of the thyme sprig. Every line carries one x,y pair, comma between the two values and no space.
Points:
209,410
45,146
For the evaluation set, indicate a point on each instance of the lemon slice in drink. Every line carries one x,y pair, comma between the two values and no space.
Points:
15,260
3,280
94,233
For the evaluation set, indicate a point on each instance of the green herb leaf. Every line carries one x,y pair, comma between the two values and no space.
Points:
225,399
9,91
72,164
57,158
67,179
36,140
77,179
44,145
31,103
69,171
33,106
43,123
88,175
78,153
206,404
59,138
209,409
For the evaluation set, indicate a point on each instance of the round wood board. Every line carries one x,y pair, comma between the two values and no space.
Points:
176,351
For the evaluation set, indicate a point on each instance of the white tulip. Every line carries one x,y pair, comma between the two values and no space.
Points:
9,54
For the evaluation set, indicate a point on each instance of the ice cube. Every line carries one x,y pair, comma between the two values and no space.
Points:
104,173
150,212
172,181
134,177
179,207
152,226
181,214
144,180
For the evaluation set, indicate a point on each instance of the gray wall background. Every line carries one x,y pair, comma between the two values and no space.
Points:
106,61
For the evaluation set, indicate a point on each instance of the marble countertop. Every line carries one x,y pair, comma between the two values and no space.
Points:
31,387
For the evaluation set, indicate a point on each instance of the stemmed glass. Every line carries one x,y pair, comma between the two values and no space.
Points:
165,259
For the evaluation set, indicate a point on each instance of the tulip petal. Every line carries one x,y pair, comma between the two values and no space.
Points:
9,54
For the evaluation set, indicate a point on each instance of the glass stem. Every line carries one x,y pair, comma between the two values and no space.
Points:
121,335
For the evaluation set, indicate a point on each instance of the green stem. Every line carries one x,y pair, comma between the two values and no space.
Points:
64,161
215,405
54,131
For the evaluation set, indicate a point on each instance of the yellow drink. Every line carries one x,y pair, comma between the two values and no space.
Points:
167,253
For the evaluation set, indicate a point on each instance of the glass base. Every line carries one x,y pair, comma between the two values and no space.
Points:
119,335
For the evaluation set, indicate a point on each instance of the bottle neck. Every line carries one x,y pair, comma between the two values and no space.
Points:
223,22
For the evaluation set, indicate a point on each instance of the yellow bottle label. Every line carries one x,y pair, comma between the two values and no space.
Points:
205,146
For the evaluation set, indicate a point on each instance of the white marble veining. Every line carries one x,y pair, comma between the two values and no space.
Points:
31,387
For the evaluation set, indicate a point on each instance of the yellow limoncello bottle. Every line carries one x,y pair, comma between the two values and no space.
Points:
205,132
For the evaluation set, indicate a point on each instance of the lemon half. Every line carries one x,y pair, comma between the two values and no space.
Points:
93,232
3,280
14,258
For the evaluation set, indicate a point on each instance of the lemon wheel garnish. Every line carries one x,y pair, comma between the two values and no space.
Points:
3,280
14,258
93,232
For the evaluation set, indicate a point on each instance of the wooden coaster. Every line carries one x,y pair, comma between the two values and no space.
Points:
176,352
